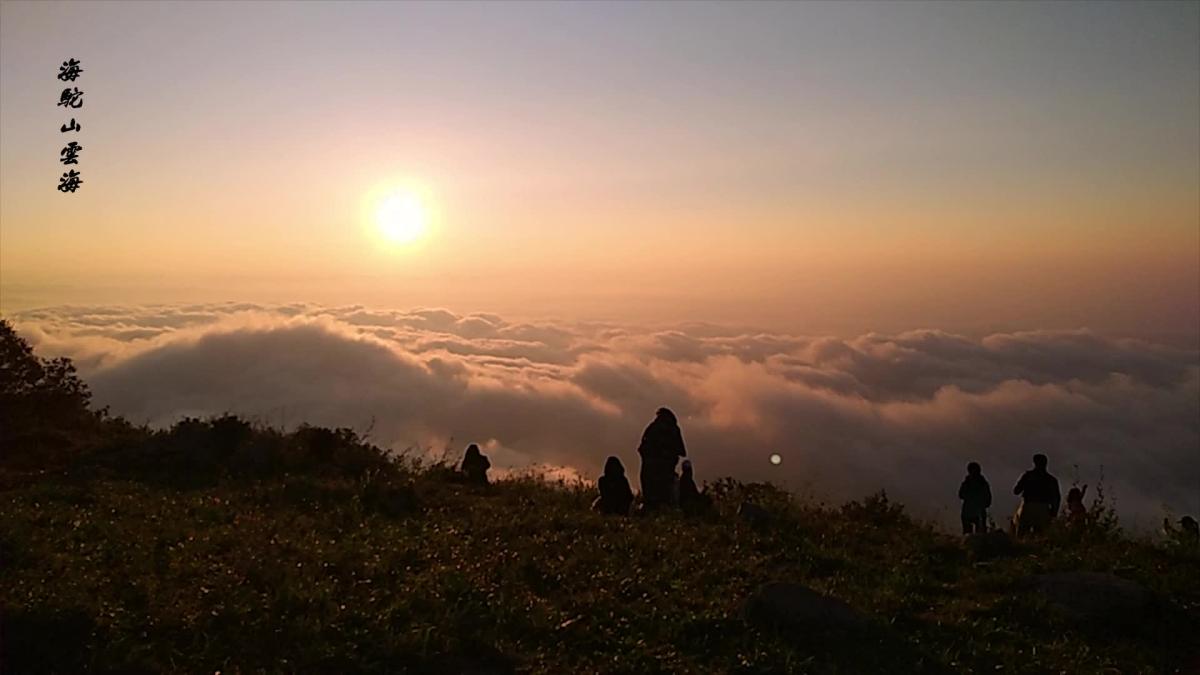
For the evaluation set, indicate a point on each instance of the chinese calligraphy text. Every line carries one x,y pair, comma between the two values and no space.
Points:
72,97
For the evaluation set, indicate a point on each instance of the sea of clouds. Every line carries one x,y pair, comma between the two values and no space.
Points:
901,412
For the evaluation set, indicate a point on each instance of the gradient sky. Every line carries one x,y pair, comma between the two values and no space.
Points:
820,168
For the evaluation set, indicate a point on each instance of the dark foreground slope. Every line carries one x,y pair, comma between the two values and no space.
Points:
218,547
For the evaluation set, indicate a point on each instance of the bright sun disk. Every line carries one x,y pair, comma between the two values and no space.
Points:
402,218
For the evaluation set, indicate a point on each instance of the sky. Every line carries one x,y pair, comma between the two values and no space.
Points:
820,168
878,239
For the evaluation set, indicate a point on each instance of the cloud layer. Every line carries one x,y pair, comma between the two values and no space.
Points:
903,412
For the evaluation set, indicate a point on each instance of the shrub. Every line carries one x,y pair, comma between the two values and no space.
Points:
876,510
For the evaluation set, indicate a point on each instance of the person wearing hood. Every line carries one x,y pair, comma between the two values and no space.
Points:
475,466
660,449
616,497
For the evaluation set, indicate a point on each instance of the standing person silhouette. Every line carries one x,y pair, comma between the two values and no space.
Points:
976,496
660,449
1040,498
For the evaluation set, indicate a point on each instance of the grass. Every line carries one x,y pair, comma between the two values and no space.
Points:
218,547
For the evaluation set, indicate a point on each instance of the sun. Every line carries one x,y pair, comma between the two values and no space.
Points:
402,217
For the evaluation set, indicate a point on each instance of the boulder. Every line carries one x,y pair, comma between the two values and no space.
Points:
796,606
1094,596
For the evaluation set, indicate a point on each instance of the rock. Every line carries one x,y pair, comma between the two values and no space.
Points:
1094,595
795,606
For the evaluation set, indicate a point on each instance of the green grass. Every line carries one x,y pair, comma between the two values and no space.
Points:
278,552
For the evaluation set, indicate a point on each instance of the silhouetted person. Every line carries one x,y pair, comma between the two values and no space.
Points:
1187,534
616,497
1040,498
1076,511
1191,529
475,466
976,496
691,500
661,448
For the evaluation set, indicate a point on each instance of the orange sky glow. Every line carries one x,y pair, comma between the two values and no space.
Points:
924,169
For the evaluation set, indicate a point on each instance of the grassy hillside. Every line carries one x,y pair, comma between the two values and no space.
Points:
218,547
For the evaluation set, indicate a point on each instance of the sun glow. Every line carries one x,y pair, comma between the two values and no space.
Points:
402,217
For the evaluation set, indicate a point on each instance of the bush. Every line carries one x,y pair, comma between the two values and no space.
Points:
876,510
728,494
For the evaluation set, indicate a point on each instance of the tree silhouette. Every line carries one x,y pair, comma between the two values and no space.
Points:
37,396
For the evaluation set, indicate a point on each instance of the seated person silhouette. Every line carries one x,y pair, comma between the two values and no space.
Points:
616,497
691,500
976,496
475,466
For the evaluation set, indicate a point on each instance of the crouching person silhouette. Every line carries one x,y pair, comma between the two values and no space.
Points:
616,497
475,466
692,501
